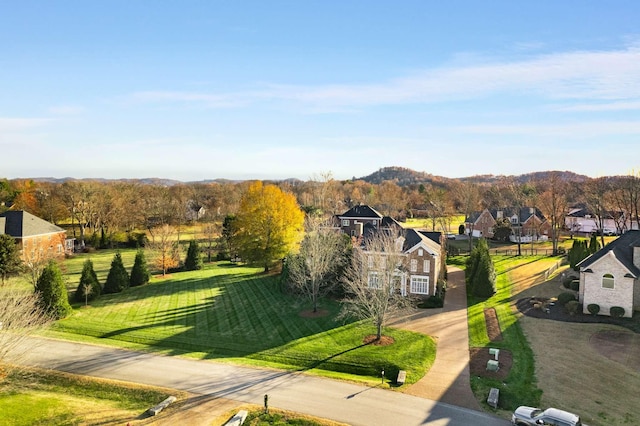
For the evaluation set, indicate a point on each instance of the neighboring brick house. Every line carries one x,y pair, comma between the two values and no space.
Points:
528,222
424,250
480,224
611,276
35,237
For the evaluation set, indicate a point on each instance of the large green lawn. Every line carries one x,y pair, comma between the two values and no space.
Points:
237,313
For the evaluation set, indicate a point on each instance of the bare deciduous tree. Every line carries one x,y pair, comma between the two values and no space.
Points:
321,253
163,247
373,278
553,203
20,316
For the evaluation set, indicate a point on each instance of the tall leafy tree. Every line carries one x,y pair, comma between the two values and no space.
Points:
9,256
118,278
268,224
140,272
193,261
89,286
52,292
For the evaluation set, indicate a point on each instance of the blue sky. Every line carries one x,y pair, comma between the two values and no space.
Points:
275,89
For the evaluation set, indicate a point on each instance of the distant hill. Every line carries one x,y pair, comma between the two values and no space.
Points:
404,177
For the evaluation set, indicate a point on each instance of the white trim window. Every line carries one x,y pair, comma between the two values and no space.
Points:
420,252
374,281
370,261
426,266
413,265
345,222
419,284
608,281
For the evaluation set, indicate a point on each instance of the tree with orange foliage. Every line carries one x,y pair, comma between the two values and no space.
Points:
268,225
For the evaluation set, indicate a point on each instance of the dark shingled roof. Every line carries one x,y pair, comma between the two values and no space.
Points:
20,224
362,211
622,248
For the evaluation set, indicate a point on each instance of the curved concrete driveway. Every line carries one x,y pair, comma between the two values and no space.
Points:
340,401
448,380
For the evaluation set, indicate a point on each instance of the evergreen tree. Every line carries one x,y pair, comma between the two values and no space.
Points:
594,245
480,273
194,259
485,278
140,272
577,253
52,292
9,256
117,279
89,287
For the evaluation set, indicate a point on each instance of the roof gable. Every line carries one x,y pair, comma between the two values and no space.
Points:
418,239
361,211
621,248
21,224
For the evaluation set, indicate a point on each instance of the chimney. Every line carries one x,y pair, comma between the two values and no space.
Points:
636,256
499,214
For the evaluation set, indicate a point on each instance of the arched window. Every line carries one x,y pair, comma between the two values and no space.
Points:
607,281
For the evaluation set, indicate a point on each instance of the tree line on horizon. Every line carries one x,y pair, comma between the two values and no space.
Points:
105,208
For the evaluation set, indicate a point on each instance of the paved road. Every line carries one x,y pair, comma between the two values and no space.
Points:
344,402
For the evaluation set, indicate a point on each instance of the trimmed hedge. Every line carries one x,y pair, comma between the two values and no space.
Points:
616,311
566,297
572,307
593,308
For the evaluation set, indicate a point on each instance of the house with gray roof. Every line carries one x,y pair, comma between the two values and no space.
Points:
525,221
611,276
425,251
35,237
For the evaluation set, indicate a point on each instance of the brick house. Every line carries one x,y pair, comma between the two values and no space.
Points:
425,251
528,222
35,237
611,276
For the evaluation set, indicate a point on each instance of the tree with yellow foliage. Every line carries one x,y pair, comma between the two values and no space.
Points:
268,225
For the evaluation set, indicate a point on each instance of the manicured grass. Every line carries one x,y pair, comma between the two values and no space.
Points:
427,223
236,313
29,397
520,387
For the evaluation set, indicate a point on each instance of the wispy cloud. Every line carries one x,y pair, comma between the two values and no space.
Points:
570,130
609,106
14,124
586,75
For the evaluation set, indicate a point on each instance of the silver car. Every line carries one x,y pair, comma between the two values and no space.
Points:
530,416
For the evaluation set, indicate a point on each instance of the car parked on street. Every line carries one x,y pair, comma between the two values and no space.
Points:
530,416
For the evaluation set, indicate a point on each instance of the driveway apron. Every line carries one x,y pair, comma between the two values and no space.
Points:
448,380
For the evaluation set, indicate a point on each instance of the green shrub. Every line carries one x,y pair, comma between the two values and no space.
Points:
566,297
89,287
616,311
566,283
52,292
432,302
593,308
572,307
575,285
